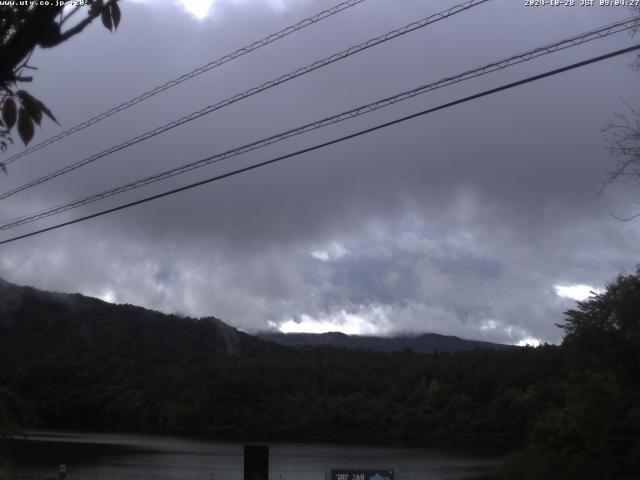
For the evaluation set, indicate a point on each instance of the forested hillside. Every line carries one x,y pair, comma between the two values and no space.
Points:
424,343
36,324
573,410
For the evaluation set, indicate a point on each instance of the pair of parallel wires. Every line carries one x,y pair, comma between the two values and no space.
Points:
599,33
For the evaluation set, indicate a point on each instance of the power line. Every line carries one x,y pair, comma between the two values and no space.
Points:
355,112
272,83
188,76
331,142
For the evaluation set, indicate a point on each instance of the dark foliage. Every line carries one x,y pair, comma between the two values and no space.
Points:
424,343
38,325
24,26
80,363
594,433
85,364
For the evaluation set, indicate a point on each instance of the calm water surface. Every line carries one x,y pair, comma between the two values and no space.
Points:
99,456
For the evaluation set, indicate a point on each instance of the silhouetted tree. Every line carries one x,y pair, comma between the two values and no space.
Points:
594,431
623,137
23,27
605,329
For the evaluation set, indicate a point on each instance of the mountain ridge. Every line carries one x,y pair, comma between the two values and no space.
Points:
38,323
418,342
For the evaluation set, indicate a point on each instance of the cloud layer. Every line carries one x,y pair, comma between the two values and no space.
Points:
463,222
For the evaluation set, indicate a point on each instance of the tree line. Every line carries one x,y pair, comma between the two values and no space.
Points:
572,411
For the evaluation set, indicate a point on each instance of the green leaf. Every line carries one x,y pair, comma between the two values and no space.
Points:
9,112
95,8
115,14
35,107
106,19
32,105
48,113
25,125
24,96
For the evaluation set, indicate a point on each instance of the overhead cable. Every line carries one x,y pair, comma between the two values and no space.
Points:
355,112
252,91
326,144
188,76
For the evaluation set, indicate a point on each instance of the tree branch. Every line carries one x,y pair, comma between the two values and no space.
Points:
76,29
69,15
38,28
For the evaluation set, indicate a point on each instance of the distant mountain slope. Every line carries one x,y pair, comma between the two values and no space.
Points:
39,324
425,343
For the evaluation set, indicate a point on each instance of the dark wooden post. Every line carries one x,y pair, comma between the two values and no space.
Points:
256,462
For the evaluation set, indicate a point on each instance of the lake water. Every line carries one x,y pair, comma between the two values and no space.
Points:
99,456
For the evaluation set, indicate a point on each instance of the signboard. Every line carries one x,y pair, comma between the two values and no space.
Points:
361,474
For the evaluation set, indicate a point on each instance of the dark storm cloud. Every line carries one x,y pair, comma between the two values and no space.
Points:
461,222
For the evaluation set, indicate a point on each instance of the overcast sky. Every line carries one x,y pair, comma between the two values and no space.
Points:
481,221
